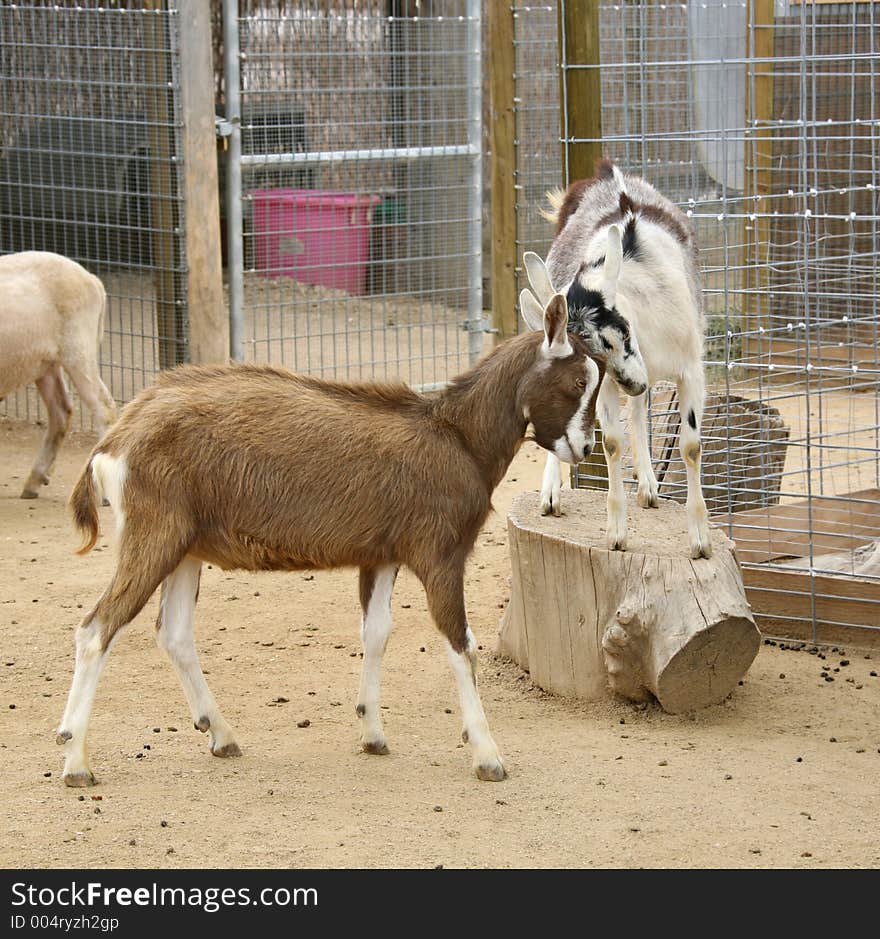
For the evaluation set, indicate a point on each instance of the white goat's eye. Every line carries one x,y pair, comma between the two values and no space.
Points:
605,343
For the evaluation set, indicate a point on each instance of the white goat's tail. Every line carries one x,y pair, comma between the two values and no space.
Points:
618,178
555,197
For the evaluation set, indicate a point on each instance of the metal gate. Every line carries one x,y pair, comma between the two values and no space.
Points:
353,186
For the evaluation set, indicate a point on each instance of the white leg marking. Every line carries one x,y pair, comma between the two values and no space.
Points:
375,629
75,722
690,404
551,486
175,636
612,442
647,492
486,758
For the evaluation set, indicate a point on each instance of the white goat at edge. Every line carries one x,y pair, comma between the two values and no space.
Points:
52,317
625,257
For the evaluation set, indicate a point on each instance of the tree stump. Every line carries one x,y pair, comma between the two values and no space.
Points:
647,621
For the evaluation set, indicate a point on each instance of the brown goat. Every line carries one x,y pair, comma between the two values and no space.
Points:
253,467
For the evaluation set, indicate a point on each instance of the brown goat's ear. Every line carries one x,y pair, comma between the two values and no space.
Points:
556,327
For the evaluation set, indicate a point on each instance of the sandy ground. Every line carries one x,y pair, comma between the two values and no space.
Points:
782,774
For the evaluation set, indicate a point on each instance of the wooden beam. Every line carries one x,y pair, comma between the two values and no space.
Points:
580,103
759,181
208,318
580,89
503,169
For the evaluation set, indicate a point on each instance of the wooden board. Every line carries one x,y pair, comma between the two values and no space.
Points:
830,523
786,593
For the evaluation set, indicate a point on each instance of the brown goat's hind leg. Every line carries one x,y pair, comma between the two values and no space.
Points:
90,657
376,585
58,411
143,564
174,634
446,601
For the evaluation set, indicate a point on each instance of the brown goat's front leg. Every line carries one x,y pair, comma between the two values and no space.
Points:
376,584
58,411
445,590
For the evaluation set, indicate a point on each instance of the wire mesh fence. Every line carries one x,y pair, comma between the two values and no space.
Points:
361,216
761,121
89,118
361,144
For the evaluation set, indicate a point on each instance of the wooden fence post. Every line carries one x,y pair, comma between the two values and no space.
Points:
758,177
503,169
580,103
208,318
580,89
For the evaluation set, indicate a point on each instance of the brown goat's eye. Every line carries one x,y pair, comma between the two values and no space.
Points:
581,383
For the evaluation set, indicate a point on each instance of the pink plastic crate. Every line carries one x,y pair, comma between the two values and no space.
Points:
314,236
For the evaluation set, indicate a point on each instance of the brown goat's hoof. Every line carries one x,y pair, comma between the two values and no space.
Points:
376,747
202,724
80,780
28,494
229,749
491,772
63,737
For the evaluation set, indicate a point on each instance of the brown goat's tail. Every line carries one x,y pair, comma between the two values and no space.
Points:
84,505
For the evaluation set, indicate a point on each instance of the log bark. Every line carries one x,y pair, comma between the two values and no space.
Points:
587,622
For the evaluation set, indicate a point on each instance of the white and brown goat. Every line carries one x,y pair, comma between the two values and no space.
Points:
626,259
256,468
52,317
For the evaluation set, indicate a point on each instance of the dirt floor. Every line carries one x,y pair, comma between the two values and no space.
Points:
783,774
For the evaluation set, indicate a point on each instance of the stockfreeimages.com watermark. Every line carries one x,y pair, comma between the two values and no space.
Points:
94,894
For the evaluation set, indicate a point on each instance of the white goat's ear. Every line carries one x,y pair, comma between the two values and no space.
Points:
539,277
532,311
556,343
613,260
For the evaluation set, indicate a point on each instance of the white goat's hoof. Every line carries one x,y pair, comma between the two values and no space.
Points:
647,496
616,538
491,772
375,747
551,504
28,494
80,779
701,543
227,750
